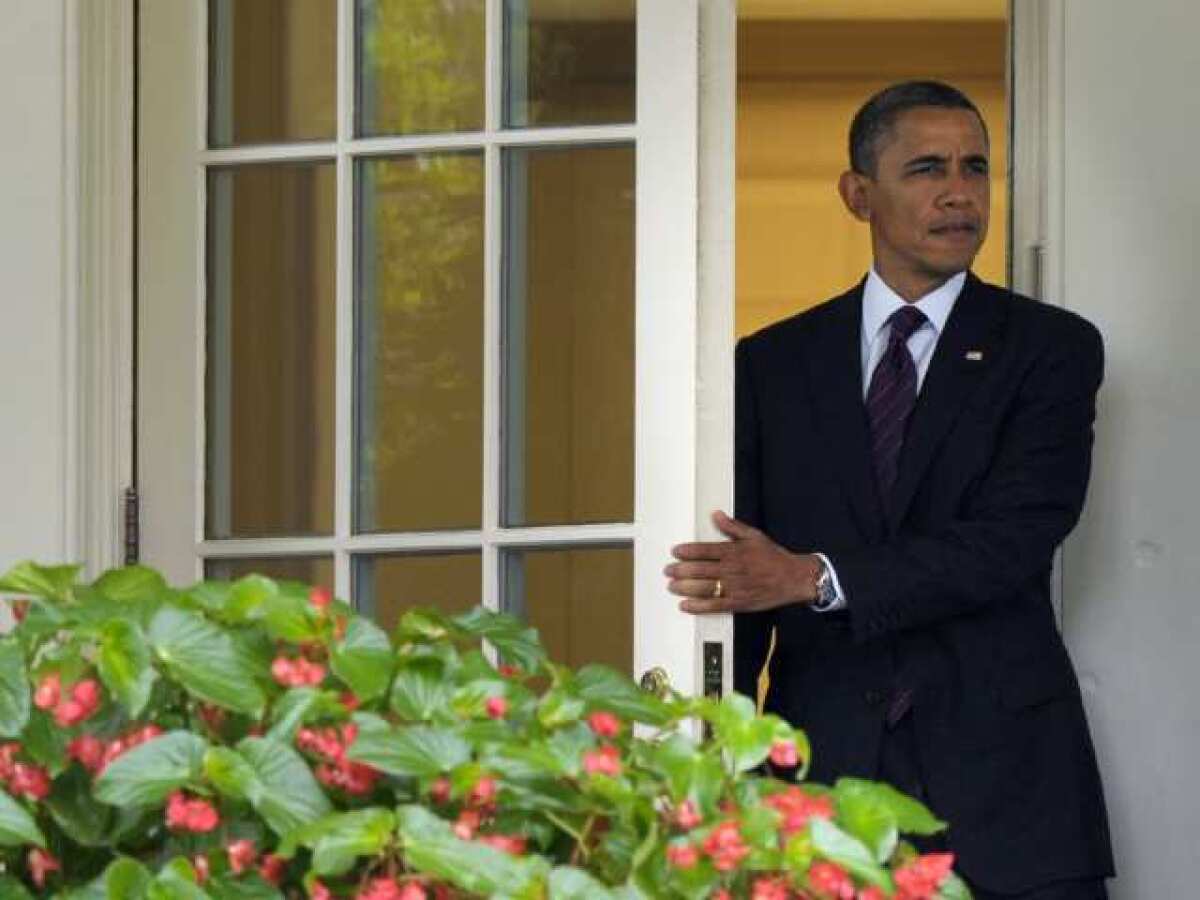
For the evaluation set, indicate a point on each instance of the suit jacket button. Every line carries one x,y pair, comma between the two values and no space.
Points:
873,697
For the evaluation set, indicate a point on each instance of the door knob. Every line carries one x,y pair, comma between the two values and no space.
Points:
656,681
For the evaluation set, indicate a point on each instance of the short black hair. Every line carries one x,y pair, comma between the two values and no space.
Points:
877,116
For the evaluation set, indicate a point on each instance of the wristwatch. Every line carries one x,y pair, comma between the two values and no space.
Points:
826,597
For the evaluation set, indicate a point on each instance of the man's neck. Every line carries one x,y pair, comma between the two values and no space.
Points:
911,287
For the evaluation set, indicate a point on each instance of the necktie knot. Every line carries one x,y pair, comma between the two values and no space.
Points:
905,321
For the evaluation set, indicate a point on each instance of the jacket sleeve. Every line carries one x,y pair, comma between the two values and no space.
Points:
751,631
1026,503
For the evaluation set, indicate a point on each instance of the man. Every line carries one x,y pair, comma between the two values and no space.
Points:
909,456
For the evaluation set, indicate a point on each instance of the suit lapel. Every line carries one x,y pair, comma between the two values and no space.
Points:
967,347
834,362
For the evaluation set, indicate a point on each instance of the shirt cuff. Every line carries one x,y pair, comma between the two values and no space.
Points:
839,599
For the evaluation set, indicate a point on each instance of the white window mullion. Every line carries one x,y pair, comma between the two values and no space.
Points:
200,305
344,356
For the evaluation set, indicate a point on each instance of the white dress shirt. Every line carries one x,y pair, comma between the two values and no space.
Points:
878,303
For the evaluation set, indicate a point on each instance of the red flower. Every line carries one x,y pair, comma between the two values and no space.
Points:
921,878
467,823
726,847
318,891
412,891
439,791
497,707
682,856
41,864
871,893
721,894
272,868
785,755
297,672
380,889
769,889
508,843
320,598
349,701
200,864
508,670
830,880
191,813
20,609
603,761
605,724
88,750
687,816
242,854
85,700
48,692
483,793
7,753
797,807
29,781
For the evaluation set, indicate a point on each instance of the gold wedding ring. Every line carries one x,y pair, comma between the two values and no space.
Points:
718,590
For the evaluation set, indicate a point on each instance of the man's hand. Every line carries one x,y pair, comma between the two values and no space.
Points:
753,571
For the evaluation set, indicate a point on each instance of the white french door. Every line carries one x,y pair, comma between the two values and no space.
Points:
436,305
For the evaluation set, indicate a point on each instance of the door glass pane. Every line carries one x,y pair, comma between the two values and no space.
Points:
419,343
569,336
270,340
569,62
313,570
420,66
272,71
386,586
580,601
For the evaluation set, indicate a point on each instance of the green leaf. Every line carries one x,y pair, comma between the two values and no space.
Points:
559,707
74,810
248,596
953,888
11,889
288,616
420,688
338,840
570,883
423,624
288,795
861,813
149,772
16,825
51,582
416,751
177,881
299,705
14,688
130,583
608,689
123,661
206,661
241,887
211,596
363,659
912,816
430,846
44,742
851,854
515,640
125,879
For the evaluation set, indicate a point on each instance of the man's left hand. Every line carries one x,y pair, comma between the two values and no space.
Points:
752,571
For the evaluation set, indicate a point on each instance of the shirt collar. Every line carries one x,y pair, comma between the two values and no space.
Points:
880,301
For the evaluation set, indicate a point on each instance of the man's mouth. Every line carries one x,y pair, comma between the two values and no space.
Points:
956,228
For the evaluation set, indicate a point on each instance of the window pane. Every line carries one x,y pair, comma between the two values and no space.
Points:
569,336
270,337
272,71
312,570
386,586
419,343
570,62
580,601
420,66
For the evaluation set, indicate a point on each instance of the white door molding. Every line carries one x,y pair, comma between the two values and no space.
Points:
98,276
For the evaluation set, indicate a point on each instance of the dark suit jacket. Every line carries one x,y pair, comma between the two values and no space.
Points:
949,590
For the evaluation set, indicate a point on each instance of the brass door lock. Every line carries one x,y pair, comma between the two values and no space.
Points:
656,681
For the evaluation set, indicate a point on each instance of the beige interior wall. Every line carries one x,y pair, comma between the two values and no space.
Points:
799,84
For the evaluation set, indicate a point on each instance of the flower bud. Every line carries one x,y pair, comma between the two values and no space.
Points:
48,692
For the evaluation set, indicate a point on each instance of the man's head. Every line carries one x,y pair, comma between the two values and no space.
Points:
919,175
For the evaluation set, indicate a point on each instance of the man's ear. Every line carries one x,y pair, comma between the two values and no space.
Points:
853,189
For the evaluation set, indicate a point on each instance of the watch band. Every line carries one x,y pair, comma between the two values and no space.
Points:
826,591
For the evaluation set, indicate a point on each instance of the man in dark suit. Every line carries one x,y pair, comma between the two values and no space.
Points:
909,456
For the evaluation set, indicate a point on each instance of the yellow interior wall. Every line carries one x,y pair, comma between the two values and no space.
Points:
799,85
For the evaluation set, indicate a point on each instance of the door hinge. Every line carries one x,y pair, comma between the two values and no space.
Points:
132,533
1038,257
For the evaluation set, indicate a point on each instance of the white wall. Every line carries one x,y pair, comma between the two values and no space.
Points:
32,374
1132,226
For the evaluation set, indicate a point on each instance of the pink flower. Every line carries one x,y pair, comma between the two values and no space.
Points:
508,843
272,868
29,781
797,807
380,889
682,856
318,891
88,750
686,815
497,707
830,880
242,854
605,760
48,691
483,793
439,791
769,889
921,878
191,813
412,891
604,724
725,846
200,864
785,755
320,598
41,864
467,823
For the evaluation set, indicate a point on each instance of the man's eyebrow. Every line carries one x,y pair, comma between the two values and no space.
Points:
925,160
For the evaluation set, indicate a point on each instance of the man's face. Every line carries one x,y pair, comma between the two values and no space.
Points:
928,201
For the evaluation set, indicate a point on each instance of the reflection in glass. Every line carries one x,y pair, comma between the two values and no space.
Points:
569,336
386,586
420,66
569,62
419,343
270,350
272,71
312,570
580,601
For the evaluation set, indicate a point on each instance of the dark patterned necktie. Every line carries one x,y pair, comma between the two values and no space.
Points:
891,397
